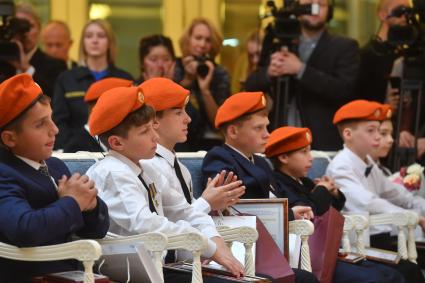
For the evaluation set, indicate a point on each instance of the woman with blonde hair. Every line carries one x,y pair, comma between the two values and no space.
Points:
208,82
96,59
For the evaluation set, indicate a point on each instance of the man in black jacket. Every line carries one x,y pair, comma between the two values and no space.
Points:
43,68
323,75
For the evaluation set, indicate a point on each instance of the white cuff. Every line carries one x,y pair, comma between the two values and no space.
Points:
210,250
202,205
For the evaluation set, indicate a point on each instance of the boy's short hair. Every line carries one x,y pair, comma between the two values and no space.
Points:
16,124
239,121
136,118
352,124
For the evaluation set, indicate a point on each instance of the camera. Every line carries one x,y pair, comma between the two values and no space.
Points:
202,69
286,28
10,28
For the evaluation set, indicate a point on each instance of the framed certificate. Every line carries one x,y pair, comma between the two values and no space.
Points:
274,215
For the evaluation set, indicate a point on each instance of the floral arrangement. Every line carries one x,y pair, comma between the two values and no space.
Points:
411,177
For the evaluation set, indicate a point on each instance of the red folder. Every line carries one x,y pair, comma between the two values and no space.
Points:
325,243
268,258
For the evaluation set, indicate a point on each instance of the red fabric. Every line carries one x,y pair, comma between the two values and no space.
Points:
324,244
268,258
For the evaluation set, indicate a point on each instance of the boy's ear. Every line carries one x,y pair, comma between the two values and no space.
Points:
283,158
232,131
115,143
9,138
347,133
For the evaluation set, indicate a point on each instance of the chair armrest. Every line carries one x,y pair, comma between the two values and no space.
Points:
412,222
245,235
154,242
86,251
303,228
194,243
359,224
398,219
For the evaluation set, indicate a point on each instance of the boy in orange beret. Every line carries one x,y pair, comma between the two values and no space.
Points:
289,149
169,101
40,203
139,197
365,186
242,119
81,140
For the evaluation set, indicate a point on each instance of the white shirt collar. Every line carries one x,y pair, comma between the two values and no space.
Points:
165,153
358,163
34,164
238,152
137,170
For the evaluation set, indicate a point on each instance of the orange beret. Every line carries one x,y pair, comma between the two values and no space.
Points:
359,110
16,95
387,112
162,93
286,139
238,105
112,108
98,88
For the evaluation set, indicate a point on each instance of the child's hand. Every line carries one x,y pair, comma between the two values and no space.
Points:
224,256
80,188
302,212
221,197
329,184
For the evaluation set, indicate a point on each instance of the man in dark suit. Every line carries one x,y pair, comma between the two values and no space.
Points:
323,75
40,203
43,68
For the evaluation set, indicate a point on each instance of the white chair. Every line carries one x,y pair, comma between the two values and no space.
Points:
246,235
303,229
404,221
86,251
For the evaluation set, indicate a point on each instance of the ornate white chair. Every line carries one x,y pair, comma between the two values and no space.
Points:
86,251
404,221
303,229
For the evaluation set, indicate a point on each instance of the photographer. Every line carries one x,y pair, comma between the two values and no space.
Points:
377,56
208,82
322,77
43,68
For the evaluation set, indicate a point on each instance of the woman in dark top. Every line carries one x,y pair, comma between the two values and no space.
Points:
97,57
208,82
156,57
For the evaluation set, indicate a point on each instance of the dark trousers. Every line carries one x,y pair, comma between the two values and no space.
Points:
365,272
411,272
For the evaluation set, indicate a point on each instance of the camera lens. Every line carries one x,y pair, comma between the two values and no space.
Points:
202,69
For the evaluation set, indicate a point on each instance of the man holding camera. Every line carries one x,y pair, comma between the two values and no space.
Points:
378,55
43,68
323,76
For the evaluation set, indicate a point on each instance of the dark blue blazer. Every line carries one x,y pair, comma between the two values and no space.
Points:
307,193
257,177
31,214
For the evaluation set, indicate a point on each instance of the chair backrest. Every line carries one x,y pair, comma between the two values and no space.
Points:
79,162
193,162
321,161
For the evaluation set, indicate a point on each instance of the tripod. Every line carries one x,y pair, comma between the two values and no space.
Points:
405,156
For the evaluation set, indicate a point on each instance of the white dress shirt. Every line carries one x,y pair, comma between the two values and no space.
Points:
116,178
373,194
165,164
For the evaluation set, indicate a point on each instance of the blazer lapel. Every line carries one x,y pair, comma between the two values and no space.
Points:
255,171
321,44
12,161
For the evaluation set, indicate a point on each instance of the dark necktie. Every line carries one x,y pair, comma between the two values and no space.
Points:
183,184
368,170
44,170
150,196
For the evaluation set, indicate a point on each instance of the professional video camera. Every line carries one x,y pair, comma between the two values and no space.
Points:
286,28
10,28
